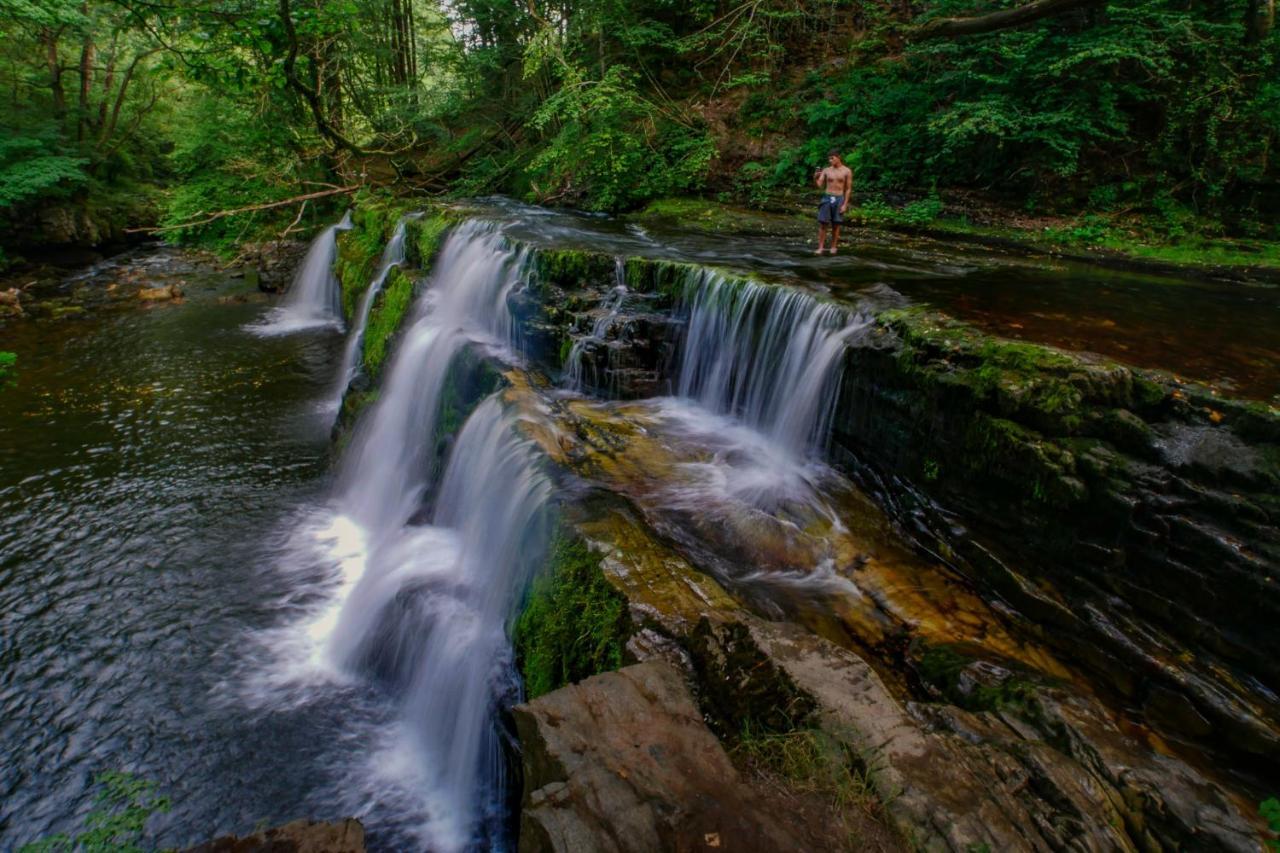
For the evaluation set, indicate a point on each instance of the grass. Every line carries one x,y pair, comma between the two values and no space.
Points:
811,761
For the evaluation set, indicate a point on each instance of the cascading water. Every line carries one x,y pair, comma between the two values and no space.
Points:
313,297
768,355
425,612
428,619
612,304
384,473
392,257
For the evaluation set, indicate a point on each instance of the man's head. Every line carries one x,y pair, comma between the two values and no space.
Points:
833,157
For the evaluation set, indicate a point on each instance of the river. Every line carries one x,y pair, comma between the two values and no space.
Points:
192,587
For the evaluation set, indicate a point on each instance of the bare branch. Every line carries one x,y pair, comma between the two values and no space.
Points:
222,214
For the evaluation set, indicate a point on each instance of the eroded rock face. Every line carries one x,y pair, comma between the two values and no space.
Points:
1151,510
1052,772
623,762
299,836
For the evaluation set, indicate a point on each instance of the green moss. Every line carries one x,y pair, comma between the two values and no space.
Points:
385,317
424,236
358,253
574,625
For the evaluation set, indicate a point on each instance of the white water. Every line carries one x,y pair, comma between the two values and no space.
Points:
383,475
769,355
427,615
427,619
312,301
392,257
611,305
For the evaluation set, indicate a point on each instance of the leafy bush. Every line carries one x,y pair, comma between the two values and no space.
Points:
1270,810
613,148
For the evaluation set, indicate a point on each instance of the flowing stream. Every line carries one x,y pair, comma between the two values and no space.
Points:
192,591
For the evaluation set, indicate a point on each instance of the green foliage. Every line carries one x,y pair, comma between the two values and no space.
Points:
574,625
8,369
118,825
614,148
385,318
1172,95
1270,811
33,167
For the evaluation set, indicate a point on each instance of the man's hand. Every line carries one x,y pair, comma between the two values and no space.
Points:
843,207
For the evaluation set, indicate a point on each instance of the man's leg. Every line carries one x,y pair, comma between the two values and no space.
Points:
835,237
822,236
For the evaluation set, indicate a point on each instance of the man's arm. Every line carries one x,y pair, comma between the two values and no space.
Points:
820,178
848,188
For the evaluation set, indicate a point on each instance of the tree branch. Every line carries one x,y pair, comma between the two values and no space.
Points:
308,94
222,214
993,21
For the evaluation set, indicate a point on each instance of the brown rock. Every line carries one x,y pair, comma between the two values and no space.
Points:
624,762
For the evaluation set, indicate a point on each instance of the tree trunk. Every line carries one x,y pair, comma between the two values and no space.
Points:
50,38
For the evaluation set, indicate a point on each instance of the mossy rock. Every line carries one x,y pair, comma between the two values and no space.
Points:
385,318
574,624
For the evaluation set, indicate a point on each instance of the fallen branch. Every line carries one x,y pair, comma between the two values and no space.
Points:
294,223
999,20
222,214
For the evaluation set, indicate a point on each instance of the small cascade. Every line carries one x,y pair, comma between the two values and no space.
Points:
392,256
313,299
769,355
383,475
611,305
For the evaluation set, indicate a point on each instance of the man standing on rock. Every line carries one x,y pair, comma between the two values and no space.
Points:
836,183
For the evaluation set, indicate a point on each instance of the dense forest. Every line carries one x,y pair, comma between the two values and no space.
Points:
132,113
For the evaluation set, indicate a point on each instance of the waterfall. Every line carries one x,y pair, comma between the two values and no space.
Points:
383,475
769,355
426,613
392,256
313,299
611,305
428,619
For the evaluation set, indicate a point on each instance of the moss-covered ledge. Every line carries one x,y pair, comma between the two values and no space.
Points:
1145,502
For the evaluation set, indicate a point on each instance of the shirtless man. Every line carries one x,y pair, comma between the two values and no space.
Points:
836,183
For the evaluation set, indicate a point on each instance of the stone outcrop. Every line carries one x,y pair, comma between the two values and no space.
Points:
299,836
624,762
1151,509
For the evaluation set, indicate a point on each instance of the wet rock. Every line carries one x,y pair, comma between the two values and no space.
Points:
269,266
160,294
300,836
1144,508
623,762
11,302
1048,772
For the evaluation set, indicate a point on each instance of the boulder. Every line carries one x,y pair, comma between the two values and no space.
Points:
624,762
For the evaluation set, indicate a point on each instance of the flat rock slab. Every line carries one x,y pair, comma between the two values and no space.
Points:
299,836
624,762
